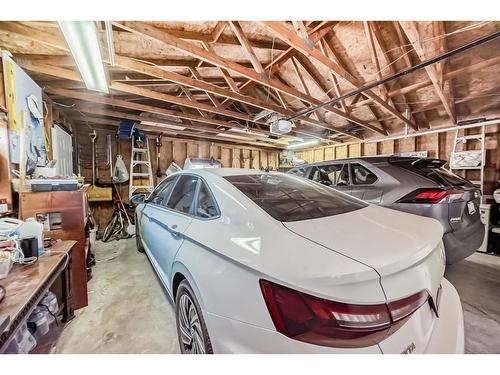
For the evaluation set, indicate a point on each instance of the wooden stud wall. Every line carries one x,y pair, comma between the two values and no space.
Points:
438,145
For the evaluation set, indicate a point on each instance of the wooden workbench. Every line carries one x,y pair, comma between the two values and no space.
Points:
26,285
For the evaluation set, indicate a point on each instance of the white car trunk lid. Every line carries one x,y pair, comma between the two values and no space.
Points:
404,249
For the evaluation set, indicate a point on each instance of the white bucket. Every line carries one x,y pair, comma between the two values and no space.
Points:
93,235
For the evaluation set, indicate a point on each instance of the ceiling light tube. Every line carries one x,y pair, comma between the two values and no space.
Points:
294,146
109,38
83,42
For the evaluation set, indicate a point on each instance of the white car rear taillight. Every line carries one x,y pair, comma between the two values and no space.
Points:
319,321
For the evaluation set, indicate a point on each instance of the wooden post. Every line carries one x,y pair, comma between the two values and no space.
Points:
5,187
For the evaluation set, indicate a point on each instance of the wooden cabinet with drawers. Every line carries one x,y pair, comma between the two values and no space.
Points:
65,217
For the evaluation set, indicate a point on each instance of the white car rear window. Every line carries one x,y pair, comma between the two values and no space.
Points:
287,198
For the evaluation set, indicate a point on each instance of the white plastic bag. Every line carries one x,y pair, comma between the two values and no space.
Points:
120,173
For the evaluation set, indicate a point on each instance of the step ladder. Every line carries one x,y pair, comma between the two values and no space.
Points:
141,174
469,159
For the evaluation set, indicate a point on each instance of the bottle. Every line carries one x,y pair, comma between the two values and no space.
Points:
31,228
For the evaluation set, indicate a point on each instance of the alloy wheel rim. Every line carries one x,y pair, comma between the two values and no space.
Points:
191,334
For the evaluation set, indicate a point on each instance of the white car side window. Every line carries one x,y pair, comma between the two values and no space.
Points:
206,207
162,192
182,196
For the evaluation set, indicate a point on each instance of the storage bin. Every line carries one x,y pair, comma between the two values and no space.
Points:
22,343
40,322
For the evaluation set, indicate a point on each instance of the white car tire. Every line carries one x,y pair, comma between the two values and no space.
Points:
191,329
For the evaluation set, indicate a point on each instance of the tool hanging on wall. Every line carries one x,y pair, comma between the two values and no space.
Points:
11,97
159,172
95,193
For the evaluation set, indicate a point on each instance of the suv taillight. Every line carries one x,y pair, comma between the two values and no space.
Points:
315,320
432,196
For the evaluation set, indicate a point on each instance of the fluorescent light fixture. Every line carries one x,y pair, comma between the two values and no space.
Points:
249,132
233,136
163,125
82,40
294,146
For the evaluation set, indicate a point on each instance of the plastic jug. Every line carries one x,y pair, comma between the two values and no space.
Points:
32,228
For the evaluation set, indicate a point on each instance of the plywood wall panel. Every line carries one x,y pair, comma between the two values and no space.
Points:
370,149
226,157
340,152
318,154
407,144
354,150
246,161
204,149
256,163
237,158
179,152
386,148
429,143
192,150
264,159
329,153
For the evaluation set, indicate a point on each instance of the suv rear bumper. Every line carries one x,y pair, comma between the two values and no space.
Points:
459,244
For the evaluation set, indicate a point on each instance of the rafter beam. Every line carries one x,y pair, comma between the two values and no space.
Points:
213,135
447,76
324,49
218,30
238,31
316,35
410,29
405,51
328,50
97,98
143,68
192,50
291,38
230,81
198,77
385,60
301,30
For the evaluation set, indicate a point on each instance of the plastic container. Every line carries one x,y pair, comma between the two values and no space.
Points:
22,343
39,322
31,228
93,235
484,214
5,263
50,300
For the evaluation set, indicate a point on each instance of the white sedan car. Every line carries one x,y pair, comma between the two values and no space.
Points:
263,262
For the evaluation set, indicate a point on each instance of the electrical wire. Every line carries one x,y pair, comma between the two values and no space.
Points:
50,312
427,40
271,68
412,69
430,101
65,105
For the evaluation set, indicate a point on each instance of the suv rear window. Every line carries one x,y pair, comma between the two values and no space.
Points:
433,170
287,198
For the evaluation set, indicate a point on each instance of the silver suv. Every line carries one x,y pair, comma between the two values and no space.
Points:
419,186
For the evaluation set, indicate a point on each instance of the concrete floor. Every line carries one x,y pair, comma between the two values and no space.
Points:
477,280
128,311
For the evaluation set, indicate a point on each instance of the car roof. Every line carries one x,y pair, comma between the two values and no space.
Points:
223,172
368,159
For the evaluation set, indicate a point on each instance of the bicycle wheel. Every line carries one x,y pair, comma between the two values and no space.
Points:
111,227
